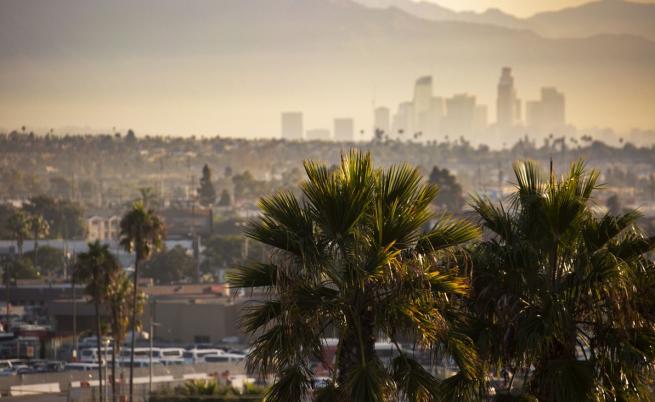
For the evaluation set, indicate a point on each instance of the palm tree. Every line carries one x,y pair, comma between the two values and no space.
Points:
97,268
353,259
564,295
19,225
39,227
141,233
148,197
119,303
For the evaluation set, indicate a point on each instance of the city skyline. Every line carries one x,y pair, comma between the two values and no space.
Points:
431,116
212,77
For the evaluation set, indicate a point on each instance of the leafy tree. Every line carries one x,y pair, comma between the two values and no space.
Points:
148,197
97,268
206,192
7,211
171,266
48,260
246,186
228,251
142,232
39,227
19,226
20,268
450,191
130,137
565,292
65,218
225,200
351,258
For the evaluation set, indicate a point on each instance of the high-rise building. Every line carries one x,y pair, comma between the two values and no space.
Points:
422,96
403,121
292,127
318,134
547,113
506,102
344,130
460,115
431,125
480,119
381,120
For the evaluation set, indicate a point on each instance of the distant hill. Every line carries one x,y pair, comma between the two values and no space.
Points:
231,66
589,19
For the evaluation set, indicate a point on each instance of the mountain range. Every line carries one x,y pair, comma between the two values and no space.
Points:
593,18
231,66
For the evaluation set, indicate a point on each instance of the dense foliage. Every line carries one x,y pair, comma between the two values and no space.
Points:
564,296
354,259
561,300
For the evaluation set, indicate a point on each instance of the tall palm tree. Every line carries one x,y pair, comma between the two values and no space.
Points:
119,303
563,294
39,227
352,259
97,268
19,225
142,232
149,198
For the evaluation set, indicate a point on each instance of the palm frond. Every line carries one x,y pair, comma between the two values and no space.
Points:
413,380
495,218
448,232
368,382
253,275
259,314
292,384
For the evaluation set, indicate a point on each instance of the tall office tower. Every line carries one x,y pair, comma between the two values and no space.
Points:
422,102
422,94
506,101
548,113
292,128
344,130
554,104
381,120
434,118
480,119
318,134
460,115
403,121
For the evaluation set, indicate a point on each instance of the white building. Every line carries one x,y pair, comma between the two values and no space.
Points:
344,130
103,228
292,126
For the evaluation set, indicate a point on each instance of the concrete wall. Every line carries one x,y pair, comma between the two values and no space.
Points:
71,380
191,322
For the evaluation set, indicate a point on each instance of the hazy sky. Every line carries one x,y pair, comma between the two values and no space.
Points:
521,8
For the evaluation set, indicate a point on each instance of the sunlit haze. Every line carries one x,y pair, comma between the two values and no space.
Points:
76,65
519,8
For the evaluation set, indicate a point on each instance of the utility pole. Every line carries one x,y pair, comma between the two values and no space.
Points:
75,345
153,324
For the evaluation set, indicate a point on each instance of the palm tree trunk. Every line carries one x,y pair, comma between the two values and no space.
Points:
7,280
358,344
36,246
113,370
19,245
97,308
558,351
133,340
